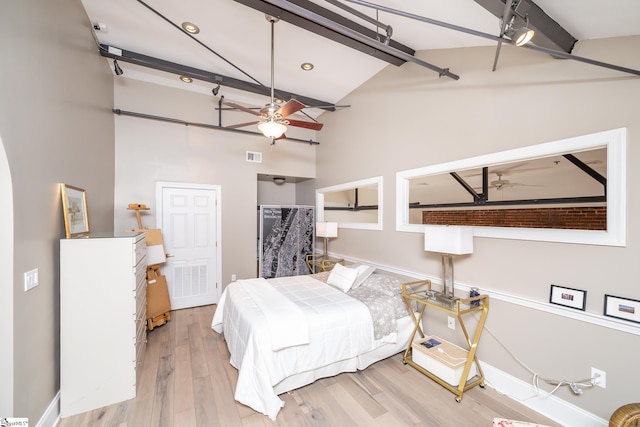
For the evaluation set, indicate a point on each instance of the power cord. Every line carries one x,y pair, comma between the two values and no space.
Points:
575,386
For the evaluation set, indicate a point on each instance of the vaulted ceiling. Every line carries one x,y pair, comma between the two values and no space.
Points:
233,45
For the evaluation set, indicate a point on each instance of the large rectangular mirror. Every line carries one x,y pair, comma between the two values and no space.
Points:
573,190
356,204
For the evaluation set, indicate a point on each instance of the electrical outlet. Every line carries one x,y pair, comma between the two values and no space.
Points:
233,277
451,322
601,380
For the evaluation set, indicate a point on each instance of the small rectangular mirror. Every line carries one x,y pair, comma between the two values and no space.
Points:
356,204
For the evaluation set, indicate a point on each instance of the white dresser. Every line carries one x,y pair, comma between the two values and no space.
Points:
102,320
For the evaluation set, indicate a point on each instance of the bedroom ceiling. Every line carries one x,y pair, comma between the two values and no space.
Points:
234,40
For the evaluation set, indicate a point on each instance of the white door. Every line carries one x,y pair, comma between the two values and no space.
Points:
190,223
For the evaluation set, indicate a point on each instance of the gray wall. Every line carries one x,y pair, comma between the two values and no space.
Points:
56,126
427,120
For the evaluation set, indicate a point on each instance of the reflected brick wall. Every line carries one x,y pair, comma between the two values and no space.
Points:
582,218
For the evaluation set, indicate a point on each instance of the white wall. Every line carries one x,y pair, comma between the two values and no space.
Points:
148,151
428,120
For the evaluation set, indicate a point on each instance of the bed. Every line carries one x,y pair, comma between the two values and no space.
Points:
284,333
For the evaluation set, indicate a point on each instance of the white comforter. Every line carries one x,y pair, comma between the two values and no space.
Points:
339,327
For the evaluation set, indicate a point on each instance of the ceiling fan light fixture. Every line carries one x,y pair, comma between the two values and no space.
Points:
272,128
523,36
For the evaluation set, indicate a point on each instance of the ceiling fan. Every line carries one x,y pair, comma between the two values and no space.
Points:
273,117
501,184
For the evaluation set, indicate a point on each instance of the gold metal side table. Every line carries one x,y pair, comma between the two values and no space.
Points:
318,262
421,292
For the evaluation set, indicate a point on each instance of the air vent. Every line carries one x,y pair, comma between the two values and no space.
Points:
254,156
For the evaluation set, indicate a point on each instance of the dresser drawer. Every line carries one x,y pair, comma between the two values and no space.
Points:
141,349
140,251
141,279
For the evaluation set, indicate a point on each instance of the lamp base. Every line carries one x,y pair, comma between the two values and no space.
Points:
446,299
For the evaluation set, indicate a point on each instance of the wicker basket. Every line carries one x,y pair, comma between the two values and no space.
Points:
626,416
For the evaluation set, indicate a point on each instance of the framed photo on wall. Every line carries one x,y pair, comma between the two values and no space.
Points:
568,297
622,308
74,207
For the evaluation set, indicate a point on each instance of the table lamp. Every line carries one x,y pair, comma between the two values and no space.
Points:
449,241
326,230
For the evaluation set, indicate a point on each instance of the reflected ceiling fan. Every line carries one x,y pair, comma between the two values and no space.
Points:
501,184
273,117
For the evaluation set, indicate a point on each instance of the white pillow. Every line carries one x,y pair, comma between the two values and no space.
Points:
342,277
364,271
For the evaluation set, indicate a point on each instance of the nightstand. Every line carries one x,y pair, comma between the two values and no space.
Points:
318,262
421,293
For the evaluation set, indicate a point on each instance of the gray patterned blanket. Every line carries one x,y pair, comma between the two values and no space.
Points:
382,294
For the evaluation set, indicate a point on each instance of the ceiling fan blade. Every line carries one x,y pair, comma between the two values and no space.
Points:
306,125
292,106
241,107
241,125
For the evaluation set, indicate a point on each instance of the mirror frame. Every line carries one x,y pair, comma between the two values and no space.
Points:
320,192
615,235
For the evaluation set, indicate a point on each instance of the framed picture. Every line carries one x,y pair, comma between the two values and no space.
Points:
568,297
622,308
74,207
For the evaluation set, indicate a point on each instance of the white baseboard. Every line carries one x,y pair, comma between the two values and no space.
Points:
52,415
550,406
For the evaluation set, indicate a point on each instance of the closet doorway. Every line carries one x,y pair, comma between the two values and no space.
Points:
189,216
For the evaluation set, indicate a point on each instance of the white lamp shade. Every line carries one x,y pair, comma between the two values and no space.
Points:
272,129
449,240
327,229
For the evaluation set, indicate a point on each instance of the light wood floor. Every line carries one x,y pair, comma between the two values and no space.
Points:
187,381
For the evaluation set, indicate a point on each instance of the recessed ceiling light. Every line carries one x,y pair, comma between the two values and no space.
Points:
307,66
278,100
186,79
190,28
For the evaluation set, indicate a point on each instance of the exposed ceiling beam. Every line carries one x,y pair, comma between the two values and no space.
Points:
313,18
183,70
531,46
202,125
549,33
315,27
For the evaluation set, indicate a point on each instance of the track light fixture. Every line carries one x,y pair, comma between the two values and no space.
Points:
522,36
215,90
519,36
116,68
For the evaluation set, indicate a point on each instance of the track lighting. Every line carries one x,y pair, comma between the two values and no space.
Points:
519,36
522,36
215,90
116,68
